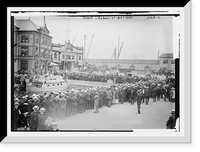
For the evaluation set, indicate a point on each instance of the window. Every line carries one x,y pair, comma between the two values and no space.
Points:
24,38
72,57
69,57
172,61
55,55
36,39
24,51
44,41
24,65
165,61
44,53
79,57
63,56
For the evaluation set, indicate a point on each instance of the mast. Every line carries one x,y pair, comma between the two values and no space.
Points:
89,46
118,46
84,48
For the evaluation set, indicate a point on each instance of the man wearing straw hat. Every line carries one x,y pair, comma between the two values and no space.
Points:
33,121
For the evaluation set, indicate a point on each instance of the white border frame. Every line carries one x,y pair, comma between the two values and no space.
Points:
138,136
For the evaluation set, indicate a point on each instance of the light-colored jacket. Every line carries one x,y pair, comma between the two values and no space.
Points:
109,94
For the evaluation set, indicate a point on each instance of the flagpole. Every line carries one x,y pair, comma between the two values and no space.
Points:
40,57
33,62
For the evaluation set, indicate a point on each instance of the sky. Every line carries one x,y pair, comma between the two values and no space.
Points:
141,37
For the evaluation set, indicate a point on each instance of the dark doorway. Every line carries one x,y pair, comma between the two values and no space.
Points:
24,65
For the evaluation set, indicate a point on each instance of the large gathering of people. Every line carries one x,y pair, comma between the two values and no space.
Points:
40,111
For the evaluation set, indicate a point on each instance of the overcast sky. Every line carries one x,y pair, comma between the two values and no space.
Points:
141,37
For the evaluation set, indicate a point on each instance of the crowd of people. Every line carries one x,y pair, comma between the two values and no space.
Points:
35,111
100,77
20,78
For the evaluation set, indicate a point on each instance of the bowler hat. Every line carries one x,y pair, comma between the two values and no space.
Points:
172,111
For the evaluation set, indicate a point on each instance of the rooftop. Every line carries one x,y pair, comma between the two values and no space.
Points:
122,61
26,25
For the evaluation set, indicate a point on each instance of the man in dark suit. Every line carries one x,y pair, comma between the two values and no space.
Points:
17,114
139,100
82,102
171,122
74,104
124,95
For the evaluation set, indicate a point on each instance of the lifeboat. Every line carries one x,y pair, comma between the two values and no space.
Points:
46,85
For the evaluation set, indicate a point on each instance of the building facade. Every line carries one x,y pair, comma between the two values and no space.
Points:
140,66
167,62
67,56
32,52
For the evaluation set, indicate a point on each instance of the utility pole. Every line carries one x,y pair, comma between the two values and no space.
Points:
40,50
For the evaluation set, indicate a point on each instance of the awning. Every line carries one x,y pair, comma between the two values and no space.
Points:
53,64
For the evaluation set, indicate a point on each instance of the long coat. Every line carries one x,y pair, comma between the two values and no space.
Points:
41,122
171,122
63,103
109,94
33,121
96,101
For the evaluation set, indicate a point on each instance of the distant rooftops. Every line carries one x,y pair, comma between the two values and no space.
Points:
166,55
66,46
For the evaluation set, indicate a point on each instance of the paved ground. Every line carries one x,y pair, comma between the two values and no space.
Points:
121,116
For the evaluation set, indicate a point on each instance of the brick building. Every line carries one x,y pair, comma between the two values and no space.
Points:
34,46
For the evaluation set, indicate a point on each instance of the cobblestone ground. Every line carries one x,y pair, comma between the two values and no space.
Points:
121,116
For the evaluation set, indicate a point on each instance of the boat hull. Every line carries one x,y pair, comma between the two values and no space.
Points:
47,87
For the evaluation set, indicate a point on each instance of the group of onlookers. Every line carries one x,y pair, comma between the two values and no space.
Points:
34,111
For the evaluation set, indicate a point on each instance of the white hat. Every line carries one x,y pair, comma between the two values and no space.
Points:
35,107
42,110
16,103
25,96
